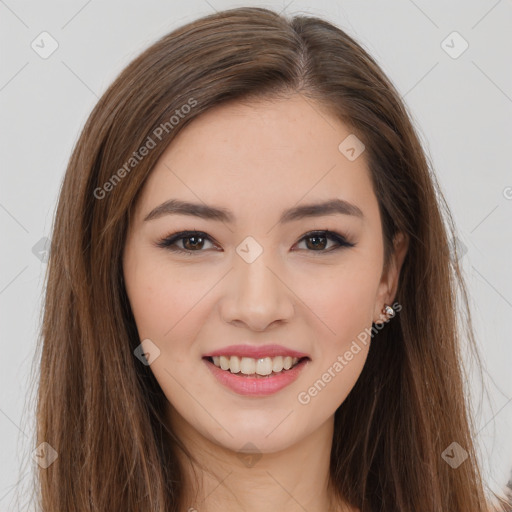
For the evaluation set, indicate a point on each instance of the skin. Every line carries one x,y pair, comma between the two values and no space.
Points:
256,160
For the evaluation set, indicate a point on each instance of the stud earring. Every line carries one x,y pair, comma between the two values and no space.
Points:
388,311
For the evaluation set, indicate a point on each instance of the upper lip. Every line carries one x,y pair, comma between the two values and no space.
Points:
256,352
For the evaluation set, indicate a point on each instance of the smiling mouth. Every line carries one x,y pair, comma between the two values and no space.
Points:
264,367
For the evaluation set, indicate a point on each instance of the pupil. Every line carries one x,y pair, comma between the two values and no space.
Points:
193,238
315,245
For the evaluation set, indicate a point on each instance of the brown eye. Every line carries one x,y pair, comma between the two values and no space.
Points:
191,241
318,241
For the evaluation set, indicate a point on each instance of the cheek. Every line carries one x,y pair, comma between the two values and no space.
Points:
331,382
344,304
169,312
162,298
343,299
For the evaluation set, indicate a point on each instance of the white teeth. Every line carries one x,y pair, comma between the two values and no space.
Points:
224,362
234,364
249,366
277,363
264,366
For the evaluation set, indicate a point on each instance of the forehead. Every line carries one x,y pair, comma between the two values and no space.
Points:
270,153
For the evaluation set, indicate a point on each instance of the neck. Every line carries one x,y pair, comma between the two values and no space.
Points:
295,478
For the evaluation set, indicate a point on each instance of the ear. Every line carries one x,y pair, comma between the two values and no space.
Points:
389,281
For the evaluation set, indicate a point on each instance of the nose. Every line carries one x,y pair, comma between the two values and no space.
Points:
257,295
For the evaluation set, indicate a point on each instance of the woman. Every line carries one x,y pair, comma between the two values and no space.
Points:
251,298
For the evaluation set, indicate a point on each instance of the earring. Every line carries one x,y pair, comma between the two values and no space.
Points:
388,311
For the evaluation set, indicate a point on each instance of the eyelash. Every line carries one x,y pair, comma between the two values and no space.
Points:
169,241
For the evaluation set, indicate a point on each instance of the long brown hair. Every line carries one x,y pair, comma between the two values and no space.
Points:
103,411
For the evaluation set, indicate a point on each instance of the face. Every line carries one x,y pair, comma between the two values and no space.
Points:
258,272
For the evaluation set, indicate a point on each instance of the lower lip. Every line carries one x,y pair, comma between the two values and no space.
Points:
254,386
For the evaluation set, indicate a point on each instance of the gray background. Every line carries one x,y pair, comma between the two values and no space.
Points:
461,107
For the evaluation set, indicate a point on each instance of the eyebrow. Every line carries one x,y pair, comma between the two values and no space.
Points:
203,211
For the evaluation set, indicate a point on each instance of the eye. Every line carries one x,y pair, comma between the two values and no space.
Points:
193,241
318,241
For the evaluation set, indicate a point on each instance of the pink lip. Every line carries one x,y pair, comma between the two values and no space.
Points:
254,386
256,352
